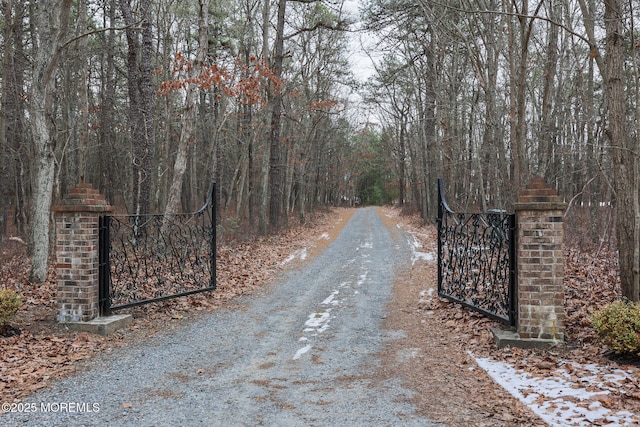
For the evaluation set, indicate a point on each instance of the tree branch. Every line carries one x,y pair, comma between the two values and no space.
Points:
341,26
519,16
102,30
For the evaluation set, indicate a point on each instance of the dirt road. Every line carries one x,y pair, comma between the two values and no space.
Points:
305,352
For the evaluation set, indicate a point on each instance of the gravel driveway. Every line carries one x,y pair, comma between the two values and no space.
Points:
303,353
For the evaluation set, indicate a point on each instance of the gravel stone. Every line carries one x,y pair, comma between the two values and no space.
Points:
306,352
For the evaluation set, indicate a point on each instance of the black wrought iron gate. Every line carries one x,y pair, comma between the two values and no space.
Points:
150,258
477,260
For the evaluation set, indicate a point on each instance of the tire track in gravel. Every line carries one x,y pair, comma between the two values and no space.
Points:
304,353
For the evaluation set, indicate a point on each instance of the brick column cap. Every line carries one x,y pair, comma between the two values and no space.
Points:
83,198
539,196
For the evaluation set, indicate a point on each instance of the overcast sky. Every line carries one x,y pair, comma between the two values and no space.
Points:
360,61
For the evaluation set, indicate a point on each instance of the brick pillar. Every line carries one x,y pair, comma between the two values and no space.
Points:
539,214
77,253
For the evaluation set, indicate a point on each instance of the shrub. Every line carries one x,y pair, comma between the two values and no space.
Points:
618,326
10,302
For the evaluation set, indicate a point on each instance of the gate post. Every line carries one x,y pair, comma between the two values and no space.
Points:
76,248
540,263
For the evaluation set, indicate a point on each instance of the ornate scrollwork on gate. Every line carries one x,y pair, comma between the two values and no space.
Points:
156,257
476,260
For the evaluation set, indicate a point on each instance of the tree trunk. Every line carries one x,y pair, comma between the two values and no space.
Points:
547,127
189,122
12,129
623,154
432,144
275,166
8,111
402,154
263,167
145,148
140,89
106,135
53,20
83,101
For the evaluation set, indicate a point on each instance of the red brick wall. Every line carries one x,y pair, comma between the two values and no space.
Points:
77,253
540,254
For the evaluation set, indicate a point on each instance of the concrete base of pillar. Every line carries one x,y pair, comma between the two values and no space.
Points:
512,339
101,325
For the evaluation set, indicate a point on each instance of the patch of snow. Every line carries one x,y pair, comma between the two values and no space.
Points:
302,254
288,259
407,354
425,256
428,293
560,400
416,254
318,322
611,377
363,277
301,351
329,300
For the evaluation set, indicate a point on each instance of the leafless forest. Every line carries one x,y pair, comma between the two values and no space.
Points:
152,100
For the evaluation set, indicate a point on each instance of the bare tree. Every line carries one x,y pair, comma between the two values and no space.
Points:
12,137
141,101
188,121
275,166
625,152
52,22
